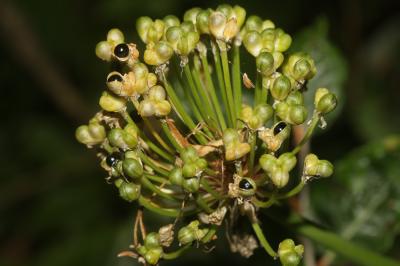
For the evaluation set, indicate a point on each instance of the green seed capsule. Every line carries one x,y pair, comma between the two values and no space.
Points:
104,50
327,103
171,21
289,254
314,167
152,240
176,177
253,42
281,88
191,185
115,36
91,134
247,187
111,103
132,168
265,64
121,138
202,21
129,191
153,255
186,235
189,170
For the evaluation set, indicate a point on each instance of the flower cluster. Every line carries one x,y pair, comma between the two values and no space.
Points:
176,135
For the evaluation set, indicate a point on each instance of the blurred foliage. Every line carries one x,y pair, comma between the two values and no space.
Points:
362,202
56,208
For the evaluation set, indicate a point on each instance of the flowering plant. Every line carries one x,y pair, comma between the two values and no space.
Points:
184,133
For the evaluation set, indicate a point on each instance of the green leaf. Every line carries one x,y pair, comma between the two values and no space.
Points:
362,203
331,64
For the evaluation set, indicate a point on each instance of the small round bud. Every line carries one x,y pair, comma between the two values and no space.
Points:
153,255
111,103
123,138
91,134
170,21
253,42
189,170
132,168
129,191
191,14
324,101
313,167
202,21
159,54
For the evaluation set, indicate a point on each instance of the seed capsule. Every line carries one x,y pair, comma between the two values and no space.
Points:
247,187
113,158
121,51
114,76
279,127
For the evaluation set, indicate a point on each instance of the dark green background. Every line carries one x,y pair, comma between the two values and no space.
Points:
55,208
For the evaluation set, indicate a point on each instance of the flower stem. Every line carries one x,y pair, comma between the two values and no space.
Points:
237,84
308,134
258,89
253,141
177,253
263,240
228,85
147,183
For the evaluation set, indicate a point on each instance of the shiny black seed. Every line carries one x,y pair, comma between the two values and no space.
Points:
279,127
113,159
245,184
121,50
114,77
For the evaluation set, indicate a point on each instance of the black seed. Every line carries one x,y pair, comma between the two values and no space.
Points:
121,50
114,77
279,127
113,159
245,184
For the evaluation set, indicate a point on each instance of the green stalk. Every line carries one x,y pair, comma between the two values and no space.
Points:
160,152
211,232
211,90
150,163
221,83
253,141
258,89
264,92
345,248
237,83
203,111
177,253
206,186
307,135
147,183
228,85
151,206
263,240
202,204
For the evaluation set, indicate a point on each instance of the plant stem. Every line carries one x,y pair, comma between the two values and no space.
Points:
206,186
177,253
147,183
228,86
211,89
221,83
171,138
308,134
258,89
211,232
150,163
263,240
160,152
253,141
202,204
237,83
157,136
151,206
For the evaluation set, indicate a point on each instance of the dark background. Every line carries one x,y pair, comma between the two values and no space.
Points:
55,208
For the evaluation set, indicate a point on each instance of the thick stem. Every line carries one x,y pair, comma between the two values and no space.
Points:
263,240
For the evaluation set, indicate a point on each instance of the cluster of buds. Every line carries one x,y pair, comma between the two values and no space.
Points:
177,138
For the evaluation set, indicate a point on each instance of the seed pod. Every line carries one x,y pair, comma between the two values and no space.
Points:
202,21
265,64
217,22
324,101
253,42
152,240
132,168
258,117
191,185
111,103
234,149
191,14
129,191
115,36
176,177
153,255
292,109
313,167
150,31
289,254
158,53
155,103
275,40
299,67
275,136
170,21
126,138
278,168
115,82
280,88
247,187
91,134
186,235
104,50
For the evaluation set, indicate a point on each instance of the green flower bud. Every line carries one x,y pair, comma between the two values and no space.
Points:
234,149
275,40
152,240
257,118
126,138
111,103
132,168
278,168
253,23
129,191
191,185
313,167
300,67
153,255
280,88
289,254
292,110
253,42
191,232
91,134
176,177
265,64
240,14
158,53
247,187
324,101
